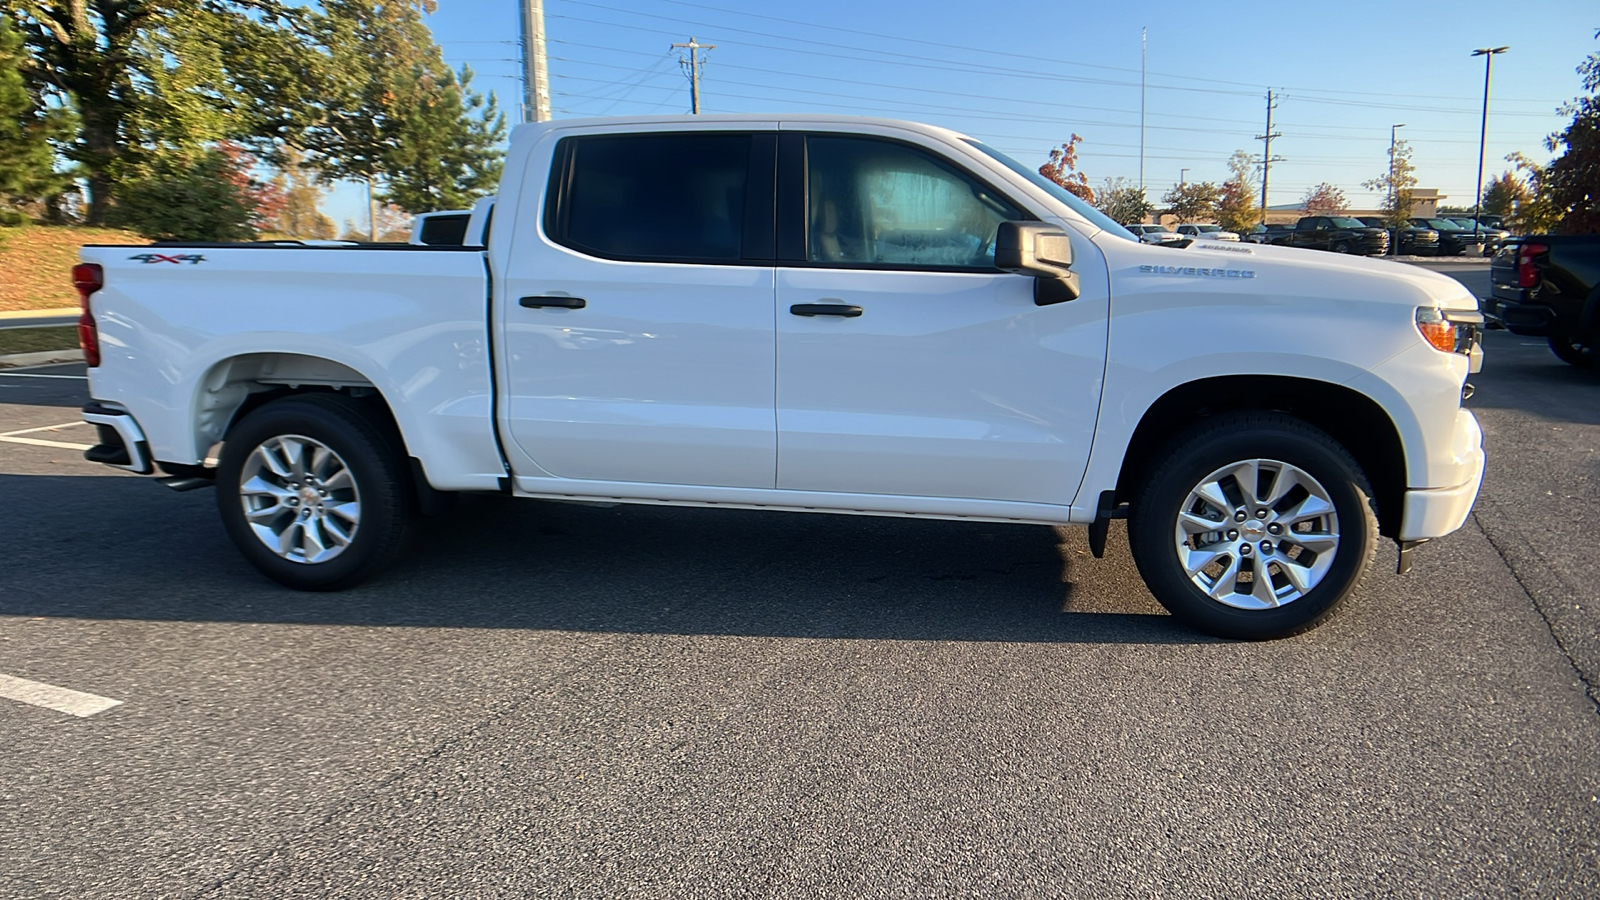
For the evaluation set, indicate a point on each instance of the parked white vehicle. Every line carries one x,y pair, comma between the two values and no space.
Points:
1155,234
1207,233
806,313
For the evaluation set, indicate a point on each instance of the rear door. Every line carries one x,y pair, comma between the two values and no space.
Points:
907,363
638,320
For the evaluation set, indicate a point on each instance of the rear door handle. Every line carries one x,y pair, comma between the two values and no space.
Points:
825,309
561,302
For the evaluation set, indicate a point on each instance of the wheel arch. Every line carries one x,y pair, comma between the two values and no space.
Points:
1348,416
233,387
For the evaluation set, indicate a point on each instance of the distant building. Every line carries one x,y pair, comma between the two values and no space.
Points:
1424,204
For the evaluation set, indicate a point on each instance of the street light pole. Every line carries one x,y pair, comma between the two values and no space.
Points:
1488,54
1394,195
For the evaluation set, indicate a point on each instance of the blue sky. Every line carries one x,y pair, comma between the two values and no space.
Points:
1025,79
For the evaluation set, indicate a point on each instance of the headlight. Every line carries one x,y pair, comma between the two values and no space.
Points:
1449,330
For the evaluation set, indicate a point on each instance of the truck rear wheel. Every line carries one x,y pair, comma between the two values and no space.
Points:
1575,351
1255,526
313,490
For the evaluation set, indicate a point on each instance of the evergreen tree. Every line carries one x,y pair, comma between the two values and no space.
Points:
29,129
450,155
402,118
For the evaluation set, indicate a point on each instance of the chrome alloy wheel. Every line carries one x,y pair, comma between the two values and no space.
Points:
299,498
1257,534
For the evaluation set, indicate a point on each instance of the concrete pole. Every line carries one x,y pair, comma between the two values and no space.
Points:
535,67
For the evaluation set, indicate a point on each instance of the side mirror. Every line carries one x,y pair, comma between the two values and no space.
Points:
1041,251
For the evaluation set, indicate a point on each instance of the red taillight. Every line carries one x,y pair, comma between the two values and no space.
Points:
88,278
1527,272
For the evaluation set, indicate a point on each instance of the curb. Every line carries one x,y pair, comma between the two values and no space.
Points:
41,358
38,318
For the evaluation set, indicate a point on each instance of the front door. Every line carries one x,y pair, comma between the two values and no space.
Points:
908,364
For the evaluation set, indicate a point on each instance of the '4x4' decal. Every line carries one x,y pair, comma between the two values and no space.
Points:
190,258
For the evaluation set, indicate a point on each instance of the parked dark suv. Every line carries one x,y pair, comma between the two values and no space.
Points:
1340,234
1453,239
1412,240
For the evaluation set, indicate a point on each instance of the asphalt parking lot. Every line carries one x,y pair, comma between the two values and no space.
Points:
559,700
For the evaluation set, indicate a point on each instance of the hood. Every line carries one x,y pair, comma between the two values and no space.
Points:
1284,273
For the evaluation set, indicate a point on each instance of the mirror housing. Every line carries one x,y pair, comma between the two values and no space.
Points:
1041,251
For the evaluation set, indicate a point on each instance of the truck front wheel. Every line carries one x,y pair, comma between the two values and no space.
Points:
1255,526
313,491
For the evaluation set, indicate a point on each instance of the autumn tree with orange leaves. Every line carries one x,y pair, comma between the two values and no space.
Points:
1063,170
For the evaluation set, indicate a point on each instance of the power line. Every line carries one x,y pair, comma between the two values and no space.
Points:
988,52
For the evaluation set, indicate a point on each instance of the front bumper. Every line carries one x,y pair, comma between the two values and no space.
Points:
1435,512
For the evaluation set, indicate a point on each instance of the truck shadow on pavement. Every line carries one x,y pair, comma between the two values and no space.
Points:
110,547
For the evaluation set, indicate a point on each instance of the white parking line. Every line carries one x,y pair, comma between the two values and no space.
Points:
43,428
41,375
14,437
60,699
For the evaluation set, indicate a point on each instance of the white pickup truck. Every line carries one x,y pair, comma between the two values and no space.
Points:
808,313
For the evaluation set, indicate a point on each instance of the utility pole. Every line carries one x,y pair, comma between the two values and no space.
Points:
694,49
1183,175
1394,193
1267,159
535,69
1144,34
1488,55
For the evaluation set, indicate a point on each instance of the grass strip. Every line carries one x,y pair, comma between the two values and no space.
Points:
31,340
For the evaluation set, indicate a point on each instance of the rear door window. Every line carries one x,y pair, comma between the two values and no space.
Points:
653,197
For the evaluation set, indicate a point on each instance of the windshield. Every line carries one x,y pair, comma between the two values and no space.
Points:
1443,225
1346,222
1070,200
1208,229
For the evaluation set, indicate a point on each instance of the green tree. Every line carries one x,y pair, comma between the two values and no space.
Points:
400,119
1537,214
1572,180
1397,184
1503,194
1236,205
1123,200
301,215
1192,200
196,200
30,130
1323,199
150,78
451,153
1062,168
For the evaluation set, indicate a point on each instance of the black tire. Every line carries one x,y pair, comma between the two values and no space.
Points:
371,452
1341,247
1221,441
1575,351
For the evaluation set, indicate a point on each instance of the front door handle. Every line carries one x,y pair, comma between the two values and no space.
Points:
825,309
561,302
